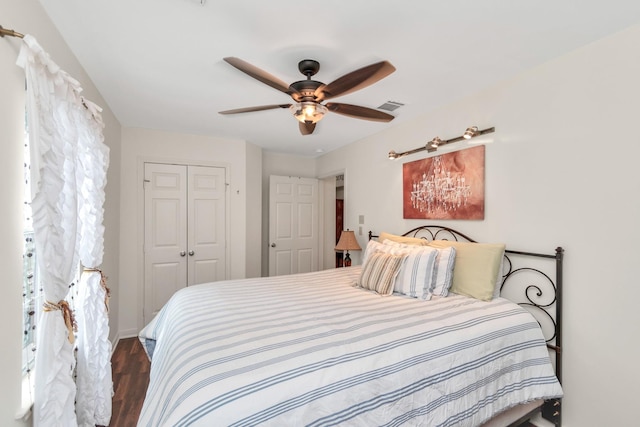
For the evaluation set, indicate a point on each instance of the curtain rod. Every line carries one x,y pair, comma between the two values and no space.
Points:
5,32
11,33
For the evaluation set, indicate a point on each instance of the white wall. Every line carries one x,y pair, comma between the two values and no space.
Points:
139,145
28,17
254,247
561,169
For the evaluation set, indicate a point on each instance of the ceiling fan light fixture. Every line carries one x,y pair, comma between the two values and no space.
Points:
308,112
471,132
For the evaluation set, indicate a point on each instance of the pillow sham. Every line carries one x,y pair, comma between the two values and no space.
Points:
476,267
403,239
442,275
443,272
371,247
416,274
379,272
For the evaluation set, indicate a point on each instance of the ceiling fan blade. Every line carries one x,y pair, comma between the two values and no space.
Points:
359,112
306,128
355,80
250,109
259,74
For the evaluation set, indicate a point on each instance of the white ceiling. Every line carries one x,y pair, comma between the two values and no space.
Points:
158,63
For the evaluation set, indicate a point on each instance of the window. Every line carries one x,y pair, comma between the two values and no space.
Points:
31,289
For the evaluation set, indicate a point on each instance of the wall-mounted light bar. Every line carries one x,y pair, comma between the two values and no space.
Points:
436,142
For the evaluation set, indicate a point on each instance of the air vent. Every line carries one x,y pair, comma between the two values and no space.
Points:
390,106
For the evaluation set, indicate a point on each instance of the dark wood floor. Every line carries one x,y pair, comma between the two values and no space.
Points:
130,367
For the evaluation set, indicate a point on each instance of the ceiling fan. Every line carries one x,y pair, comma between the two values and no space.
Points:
309,94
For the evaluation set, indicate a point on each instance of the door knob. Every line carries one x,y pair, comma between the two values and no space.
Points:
273,245
182,253
191,253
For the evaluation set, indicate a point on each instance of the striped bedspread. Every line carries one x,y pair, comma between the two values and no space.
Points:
311,349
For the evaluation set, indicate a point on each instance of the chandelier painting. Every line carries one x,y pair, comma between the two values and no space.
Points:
449,186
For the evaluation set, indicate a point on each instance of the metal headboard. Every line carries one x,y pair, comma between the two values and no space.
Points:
542,293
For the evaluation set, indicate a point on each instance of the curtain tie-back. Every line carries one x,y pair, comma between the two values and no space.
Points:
103,283
69,320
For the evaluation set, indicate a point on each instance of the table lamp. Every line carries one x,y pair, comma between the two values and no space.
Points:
347,243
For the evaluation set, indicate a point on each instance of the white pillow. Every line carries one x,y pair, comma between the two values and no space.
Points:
442,275
443,272
373,246
415,278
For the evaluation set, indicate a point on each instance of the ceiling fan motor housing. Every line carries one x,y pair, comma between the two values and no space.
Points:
305,90
308,67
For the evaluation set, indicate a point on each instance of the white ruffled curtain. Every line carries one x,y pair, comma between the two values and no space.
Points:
68,174
94,382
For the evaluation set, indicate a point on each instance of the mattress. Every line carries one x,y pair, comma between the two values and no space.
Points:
313,349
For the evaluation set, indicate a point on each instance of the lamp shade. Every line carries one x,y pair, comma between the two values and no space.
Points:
348,242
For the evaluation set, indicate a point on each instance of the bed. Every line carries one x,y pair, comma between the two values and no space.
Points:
324,348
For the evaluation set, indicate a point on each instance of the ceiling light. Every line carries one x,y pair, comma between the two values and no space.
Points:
470,132
436,142
308,112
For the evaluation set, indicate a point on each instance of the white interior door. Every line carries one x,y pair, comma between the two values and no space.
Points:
185,240
206,225
293,225
165,231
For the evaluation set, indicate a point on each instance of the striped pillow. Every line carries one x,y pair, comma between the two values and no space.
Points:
442,273
379,272
416,276
445,261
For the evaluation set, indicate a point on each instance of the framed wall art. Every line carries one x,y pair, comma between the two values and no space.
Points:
448,186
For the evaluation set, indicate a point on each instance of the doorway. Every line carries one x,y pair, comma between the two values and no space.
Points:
339,216
293,225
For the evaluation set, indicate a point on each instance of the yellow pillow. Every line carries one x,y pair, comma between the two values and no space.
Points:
476,267
402,239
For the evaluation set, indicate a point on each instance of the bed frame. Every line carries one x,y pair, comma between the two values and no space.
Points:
525,281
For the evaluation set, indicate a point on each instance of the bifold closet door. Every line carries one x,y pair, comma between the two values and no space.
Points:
184,230
206,225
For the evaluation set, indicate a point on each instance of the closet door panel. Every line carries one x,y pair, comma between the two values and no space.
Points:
207,224
165,237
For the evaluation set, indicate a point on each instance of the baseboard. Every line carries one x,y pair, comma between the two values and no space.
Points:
114,343
128,333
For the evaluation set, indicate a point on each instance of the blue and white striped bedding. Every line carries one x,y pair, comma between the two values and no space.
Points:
311,349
